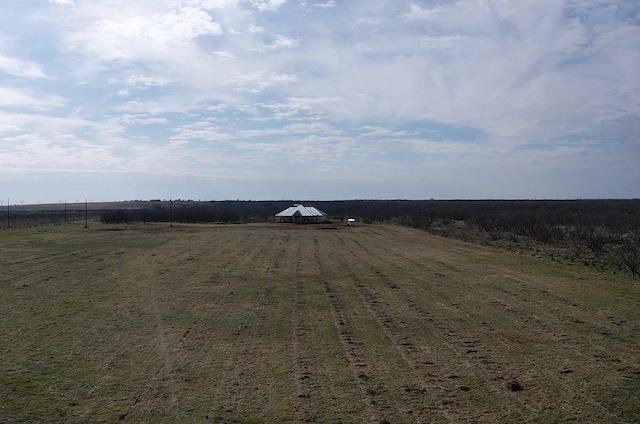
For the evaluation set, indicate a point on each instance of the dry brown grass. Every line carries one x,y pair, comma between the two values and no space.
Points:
267,324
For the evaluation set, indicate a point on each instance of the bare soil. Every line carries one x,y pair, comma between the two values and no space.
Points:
268,323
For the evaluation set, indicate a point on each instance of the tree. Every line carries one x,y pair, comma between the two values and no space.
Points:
594,239
629,253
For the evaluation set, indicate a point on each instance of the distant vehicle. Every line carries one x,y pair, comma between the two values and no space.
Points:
351,222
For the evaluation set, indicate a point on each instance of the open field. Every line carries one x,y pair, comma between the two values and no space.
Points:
249,324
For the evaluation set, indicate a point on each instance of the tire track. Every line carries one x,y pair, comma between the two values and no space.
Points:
536,305
255,247
522,280
454,308
372,385
470,348
445,378
301,364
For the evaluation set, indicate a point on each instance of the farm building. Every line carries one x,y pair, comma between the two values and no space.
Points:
301,214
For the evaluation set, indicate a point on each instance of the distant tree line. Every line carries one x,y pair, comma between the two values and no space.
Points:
539,218
21,218
602,231
593,222
196,212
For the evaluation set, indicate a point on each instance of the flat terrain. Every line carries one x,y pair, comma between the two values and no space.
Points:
250,324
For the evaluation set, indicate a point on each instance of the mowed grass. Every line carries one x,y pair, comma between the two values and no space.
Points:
250,324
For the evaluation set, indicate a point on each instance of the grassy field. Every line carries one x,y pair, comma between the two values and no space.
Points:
250,324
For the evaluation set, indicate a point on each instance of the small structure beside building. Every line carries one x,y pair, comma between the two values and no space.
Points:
302,215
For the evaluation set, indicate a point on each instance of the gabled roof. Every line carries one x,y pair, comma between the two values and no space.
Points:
300,210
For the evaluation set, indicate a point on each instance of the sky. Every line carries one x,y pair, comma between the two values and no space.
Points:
319,99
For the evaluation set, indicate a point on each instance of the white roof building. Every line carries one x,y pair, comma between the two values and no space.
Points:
301,214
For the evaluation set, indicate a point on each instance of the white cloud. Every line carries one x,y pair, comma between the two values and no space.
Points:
141,81
316,128
329,4
137,119
278,42
43,124
216,108
131,38
146,82
167,105
381,132
296,106
263,5
12,98
445,42
257,82
317,149
8,128
223,54
418,13
208,4
20,68
202,131
283,78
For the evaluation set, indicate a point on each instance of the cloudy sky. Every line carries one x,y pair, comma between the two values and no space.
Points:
319,99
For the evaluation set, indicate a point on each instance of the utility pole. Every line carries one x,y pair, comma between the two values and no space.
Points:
8,215
86,214
170,212
65,210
